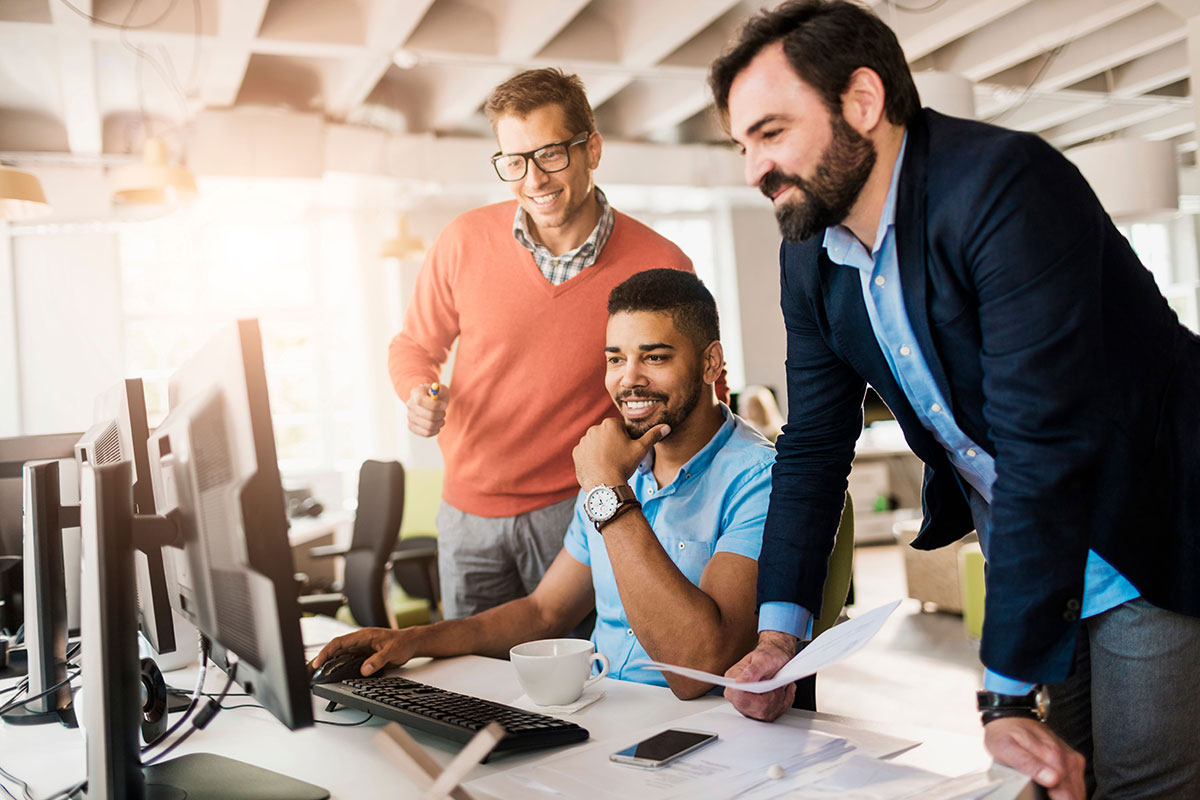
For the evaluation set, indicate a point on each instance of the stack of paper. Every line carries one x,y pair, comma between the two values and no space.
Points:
736,763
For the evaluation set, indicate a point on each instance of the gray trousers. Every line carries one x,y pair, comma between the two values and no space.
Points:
1132,703
486,561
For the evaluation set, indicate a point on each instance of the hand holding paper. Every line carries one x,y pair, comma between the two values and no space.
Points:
832,646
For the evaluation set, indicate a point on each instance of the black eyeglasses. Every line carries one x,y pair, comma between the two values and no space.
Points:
552,158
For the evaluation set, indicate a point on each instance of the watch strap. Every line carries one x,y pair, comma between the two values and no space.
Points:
993,705
626,500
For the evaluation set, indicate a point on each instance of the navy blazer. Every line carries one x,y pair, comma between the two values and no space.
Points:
1056,353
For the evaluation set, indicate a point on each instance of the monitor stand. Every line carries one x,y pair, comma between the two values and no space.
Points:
111,671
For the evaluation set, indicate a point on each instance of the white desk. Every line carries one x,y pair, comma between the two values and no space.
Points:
348,762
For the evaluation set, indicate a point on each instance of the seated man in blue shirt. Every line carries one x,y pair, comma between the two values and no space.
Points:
668,524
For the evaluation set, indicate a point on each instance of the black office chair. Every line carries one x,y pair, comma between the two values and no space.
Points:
376,528
415,568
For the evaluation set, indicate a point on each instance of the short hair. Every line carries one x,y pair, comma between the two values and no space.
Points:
675,292
825,41
528,91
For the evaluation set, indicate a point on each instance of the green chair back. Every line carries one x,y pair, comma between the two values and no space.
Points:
422,497
837,580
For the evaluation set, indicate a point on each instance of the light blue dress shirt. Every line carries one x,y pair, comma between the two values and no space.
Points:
717,503
1104,587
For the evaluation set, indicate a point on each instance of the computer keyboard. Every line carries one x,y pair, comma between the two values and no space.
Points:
449,715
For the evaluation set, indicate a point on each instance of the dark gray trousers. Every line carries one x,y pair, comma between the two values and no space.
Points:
1132,704
484,562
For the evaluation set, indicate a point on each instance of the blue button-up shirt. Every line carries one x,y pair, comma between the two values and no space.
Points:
717,503
879,270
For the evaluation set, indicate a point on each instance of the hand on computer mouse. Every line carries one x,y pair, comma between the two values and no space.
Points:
341,667
378,647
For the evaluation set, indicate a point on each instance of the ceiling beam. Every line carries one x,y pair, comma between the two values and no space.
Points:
1101,122
388,26
1028,32
77,79
922,33
228,57
648,107
1145,32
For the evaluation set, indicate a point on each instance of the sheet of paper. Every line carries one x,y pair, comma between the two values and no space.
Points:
732,765
832,646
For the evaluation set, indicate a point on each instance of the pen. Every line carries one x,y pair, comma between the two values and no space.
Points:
434,389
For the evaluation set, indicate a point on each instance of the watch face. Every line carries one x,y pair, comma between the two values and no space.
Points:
601,503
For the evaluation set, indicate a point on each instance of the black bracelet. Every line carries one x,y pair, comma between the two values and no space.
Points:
998,713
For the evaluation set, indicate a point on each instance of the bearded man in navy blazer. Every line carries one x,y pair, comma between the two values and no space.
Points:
970,276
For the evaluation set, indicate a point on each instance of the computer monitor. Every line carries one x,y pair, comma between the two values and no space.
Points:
119,433
15,452
220,507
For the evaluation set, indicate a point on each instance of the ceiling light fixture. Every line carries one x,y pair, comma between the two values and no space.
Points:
153,181
21,195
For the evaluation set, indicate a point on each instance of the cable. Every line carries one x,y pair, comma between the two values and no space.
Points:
197,693
24,786
123,25
20,701
1028,90
201,721
916,9
345,724
69,792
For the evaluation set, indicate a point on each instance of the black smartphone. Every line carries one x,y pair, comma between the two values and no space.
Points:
663,748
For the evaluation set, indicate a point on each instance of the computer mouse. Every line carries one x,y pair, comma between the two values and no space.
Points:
340,667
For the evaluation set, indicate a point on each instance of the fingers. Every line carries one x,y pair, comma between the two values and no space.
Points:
426,414
761,663
351,641
1030,747
655,435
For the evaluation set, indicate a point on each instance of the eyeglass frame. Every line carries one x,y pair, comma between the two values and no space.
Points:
529,155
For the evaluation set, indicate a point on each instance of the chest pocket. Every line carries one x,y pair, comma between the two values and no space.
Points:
691,556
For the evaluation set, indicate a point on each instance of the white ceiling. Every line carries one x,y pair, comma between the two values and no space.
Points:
1072,70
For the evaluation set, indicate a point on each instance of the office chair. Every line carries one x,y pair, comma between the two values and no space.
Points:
833,598
376,528
415,568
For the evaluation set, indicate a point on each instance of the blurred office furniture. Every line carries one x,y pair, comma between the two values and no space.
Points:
366,559
757,405
833,598
933,576
971,574
885,479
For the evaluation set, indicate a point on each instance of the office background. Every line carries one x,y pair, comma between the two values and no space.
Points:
320,132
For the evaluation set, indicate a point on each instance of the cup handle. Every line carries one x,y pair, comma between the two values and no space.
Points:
603,659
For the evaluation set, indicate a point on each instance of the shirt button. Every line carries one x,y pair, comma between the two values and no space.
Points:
681,545
880,280
905,350
651,491
686,476
936,408
972,452
629,632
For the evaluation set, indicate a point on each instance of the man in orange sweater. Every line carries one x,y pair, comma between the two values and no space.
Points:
522,286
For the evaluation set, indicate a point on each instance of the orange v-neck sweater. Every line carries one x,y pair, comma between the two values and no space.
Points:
528,377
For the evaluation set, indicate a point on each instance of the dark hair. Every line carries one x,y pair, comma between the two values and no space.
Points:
675,292
528,91
824,41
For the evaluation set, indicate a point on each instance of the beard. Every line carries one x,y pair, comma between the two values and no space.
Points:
673,416
831,193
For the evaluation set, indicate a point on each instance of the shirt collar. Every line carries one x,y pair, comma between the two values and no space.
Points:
844,248
699,462
590,247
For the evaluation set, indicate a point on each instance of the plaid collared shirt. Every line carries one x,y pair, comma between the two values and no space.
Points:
560,269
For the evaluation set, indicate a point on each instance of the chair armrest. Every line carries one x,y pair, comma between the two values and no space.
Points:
414,554
326,604
328,550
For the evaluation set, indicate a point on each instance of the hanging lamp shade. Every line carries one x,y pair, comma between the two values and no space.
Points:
403,244
21,195
153,181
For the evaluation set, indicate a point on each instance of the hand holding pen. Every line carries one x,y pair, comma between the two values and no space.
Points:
427,408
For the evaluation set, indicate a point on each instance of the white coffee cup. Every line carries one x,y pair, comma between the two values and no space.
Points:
554,672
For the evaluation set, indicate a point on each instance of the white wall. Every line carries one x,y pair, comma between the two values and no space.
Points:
69,338
756,253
